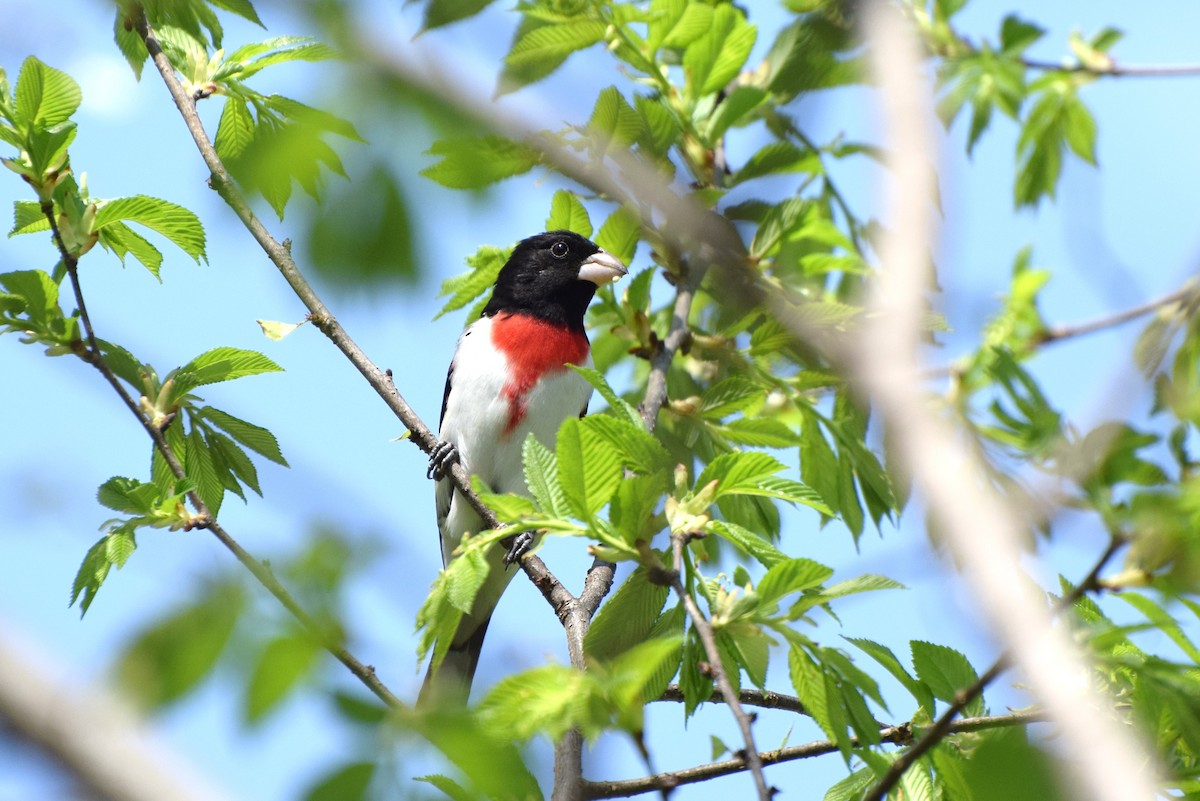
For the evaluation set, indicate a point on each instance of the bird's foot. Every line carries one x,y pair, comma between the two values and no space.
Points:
520,545
440,458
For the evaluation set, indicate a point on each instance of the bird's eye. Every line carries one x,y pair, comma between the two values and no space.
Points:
559,249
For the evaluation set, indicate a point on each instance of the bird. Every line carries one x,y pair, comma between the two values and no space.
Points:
508,378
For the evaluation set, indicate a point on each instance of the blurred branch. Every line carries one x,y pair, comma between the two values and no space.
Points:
92,736
204,518
704,631
1187,295
1116,70
897,735
944,725
1105,760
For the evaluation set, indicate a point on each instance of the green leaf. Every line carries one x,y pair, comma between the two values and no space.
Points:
235,131
171,657
544,700
680,29
620,233
176,223
946,672
540,50
475,162
485,265
738,471
347,783
884,656
714,59
39,294
638,450
28,218
443,12
616,403
748,541
280,667
735,109
733,394
114,548
127,495
122,240
256,438
568,214
613,122
203,472
221,364
589,468
541,476
791,575
44,96
626,618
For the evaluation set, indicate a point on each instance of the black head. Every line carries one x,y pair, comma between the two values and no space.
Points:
553,276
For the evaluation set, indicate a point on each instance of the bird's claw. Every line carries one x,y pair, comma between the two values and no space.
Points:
440,458
520,545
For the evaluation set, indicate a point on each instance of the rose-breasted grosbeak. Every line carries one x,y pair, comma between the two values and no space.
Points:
509,379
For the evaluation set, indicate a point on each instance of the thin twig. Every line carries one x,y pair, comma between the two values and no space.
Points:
765,699
896,735
1185,295
1116,70
704,631
962,698
677,336
205,519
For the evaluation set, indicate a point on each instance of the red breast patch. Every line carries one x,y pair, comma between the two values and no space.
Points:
533,348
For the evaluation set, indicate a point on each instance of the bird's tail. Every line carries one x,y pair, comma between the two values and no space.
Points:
450,681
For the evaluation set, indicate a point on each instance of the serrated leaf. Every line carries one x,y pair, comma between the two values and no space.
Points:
539,51
620,233
256,438
44,96
884,656
28,218
221,364
589,468
619,407
176,223
733,394
638,450
476,162
626,618
235,131
613,122
945,671
485,265
568,214
791,575
748,541
122,240
734,110
127,495
541,476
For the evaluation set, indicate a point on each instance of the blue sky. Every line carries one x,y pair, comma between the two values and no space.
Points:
1116,236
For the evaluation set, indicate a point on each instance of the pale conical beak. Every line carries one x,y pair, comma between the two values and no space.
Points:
601,268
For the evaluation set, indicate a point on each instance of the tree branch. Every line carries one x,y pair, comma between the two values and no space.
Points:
945,722
897,735
704,631
92,354
766,699
92,735
1116,70
1187,296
